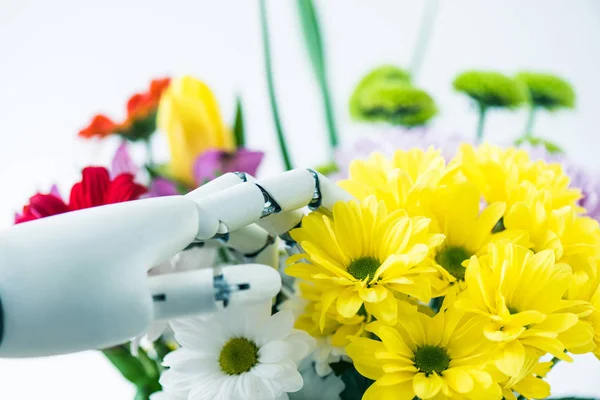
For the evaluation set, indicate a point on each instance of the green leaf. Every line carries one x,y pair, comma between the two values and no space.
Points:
314,44
572,398
238,124
551,147
128,365
271,86
356,384
144,391
139,129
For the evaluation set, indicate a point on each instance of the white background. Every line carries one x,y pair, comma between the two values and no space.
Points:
61,61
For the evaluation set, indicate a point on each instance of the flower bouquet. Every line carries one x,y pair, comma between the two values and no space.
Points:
458,270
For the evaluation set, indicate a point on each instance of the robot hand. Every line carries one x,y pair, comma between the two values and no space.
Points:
79,281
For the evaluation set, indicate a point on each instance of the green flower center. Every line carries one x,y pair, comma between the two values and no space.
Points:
430,359
451,258
363,267
238,355
499,227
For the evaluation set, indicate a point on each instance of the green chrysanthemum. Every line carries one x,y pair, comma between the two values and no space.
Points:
386,74
548,91
396,103
491,89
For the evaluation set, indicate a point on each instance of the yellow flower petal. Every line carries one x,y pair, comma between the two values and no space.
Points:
512,358
459,380
425,386
348,302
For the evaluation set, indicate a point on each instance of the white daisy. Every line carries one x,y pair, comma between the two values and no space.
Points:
238,354
325,354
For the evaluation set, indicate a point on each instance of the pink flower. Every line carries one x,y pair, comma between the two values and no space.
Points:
213,163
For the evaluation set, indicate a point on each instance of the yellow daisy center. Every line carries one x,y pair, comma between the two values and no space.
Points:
363,267
431,359
238,355
451,258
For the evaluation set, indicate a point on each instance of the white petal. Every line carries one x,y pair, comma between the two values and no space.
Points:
183,355
228,390
277,327
156,330
207,390
247,387
302,344
274,351
268,371
291,381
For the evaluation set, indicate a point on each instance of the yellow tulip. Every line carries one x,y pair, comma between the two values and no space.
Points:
189,115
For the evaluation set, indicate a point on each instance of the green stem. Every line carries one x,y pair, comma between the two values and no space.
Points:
145,391
481,122
143,372
272,98
238,125
528,134
423,37
331,125
149,155
161,349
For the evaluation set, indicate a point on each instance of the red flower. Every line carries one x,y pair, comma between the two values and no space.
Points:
41,206
140,105
140,121
95,189
100,126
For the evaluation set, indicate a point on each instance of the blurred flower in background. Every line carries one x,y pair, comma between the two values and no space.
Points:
387,95
490,89
190,117
140,122
96,188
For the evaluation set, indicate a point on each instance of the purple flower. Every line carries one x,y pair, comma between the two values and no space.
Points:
213,163
162,187
387,141
122,162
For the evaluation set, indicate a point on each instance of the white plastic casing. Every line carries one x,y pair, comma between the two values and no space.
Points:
236,206
331,193
280,223
291,190
216,185
264,281
78,281
183,293
248,239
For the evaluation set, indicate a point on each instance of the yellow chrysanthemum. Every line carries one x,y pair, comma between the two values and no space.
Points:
574,239
335,326
364,255
438,357
398,181
528,383
521,293
585,288
454,211
497,171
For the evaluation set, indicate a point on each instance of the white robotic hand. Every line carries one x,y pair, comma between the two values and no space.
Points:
79,280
